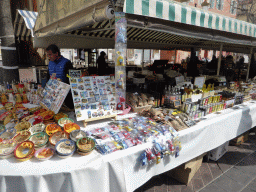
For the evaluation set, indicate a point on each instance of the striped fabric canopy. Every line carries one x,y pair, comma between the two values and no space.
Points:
24,24
177,12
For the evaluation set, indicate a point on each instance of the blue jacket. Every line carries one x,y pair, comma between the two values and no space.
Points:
59,67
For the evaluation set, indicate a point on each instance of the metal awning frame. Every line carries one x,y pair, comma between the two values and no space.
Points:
162,34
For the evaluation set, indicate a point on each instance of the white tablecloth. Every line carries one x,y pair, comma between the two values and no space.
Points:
121,171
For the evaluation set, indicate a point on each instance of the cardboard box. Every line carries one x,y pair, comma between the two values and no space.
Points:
185,172
240,139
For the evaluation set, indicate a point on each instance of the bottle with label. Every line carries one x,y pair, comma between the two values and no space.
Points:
173,94
209,87
177,95
204,88
186,88
189,90
164,96
169,94
212,88
180,95
184,97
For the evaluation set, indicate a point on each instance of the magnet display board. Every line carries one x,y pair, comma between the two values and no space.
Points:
54,95
93,96
179,79
28,75
199,82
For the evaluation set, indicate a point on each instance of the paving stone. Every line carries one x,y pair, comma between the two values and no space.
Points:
197,175
231,158
237,148
174,185
252,185
249,170
227,183
249,160
172,181
239,176
248,147
248,165
212,188
247,190
253,155
187,188
174,188
215,170
197,184
149,190
206,173
162,188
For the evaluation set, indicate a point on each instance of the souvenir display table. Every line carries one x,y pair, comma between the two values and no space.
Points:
121,170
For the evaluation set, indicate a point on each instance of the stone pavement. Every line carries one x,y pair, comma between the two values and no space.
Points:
234,172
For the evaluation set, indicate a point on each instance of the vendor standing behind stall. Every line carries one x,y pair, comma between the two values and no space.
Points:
60,66
102,64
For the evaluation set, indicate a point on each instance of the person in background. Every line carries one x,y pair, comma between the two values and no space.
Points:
230,65
213,64
82,56
192,70
102,64
252,72
60,66
239,66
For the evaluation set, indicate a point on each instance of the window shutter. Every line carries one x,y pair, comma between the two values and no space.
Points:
222,4
235,7
218,4
231,7
212,4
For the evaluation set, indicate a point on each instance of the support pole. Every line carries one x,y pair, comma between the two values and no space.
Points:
175,55
219,61
249,63
143,59
120,58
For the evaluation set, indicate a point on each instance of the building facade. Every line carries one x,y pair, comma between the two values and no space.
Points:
224,7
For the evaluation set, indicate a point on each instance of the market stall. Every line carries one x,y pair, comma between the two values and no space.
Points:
121,170
208,122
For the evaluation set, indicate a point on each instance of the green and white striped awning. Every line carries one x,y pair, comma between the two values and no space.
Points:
173,11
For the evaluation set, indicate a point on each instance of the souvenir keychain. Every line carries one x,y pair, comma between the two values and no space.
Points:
120,80
120,59
143,158
170,146
120,35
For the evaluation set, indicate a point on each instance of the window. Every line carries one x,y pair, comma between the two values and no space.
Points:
212,4
146,57
200,2
219,4
134,56
233,7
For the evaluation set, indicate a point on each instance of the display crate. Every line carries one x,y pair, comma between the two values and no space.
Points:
218,152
